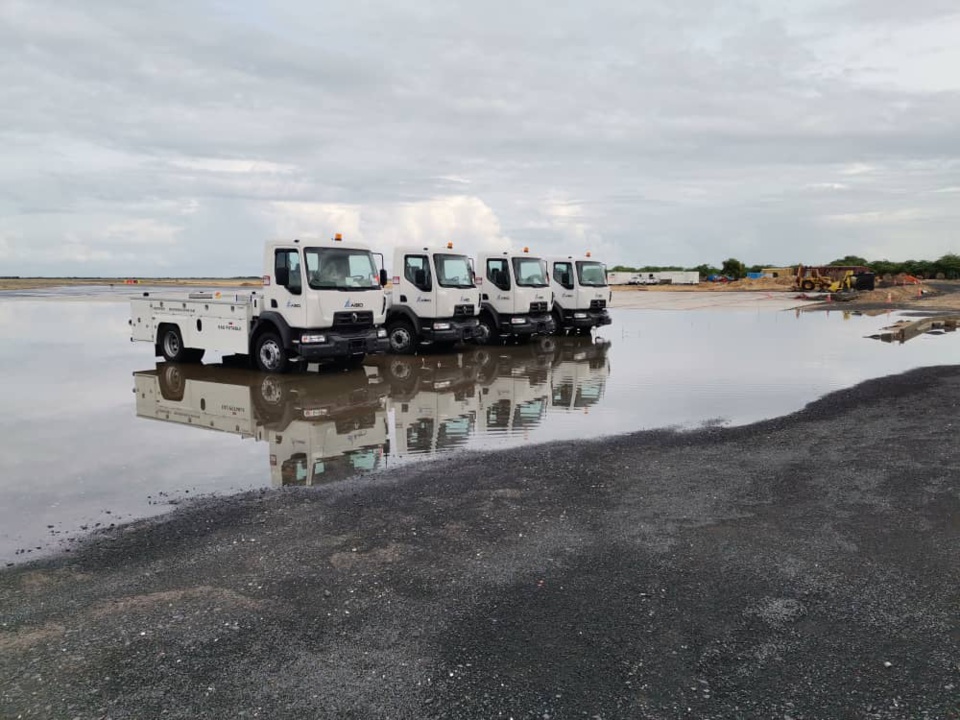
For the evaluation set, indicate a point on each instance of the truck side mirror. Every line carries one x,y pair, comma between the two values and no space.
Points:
383,277
420,278
283,276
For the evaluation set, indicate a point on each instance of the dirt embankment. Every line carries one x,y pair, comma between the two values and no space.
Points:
804,567
933,295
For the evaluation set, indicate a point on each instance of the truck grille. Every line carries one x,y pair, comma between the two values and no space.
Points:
463,311
598,304
538,307
352,320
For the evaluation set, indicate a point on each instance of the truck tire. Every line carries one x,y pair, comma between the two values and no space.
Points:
402,338
269,353
807,285
486,330
170,343
558,327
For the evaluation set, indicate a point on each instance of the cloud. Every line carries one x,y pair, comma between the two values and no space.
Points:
466,221
650,132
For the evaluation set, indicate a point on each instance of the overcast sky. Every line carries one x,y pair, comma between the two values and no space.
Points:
154,138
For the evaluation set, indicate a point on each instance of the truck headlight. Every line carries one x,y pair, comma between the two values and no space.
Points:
518,320
382,333
441,326
579,316
310,339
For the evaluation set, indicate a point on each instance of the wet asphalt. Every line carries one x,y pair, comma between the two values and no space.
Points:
803,567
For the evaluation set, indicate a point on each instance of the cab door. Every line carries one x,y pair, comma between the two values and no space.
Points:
290,294
417,285
498,284
563,280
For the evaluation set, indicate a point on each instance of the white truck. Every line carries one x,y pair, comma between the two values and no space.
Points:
320,300
581,293
515,297
433,301
318,428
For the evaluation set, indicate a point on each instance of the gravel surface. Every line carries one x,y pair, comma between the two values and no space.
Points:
805,567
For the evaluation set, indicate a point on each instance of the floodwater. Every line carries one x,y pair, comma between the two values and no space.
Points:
94,431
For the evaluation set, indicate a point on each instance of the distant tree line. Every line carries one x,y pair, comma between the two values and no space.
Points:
947,267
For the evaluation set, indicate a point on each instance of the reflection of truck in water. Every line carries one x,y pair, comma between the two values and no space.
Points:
514,386
579,372
319,428
433,402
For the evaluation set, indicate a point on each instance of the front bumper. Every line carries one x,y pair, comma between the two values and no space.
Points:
531,325
458,330
341,345
592,319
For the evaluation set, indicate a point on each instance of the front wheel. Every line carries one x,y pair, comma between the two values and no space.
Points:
401,337
485,331
557,323
269,353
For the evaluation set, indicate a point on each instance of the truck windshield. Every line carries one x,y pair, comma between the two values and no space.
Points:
530,271
340,269
453,271
593,274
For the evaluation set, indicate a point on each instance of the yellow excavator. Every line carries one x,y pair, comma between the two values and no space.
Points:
847,282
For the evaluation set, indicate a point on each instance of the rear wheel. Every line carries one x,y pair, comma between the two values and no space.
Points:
270,354
400,334
807,285
171,344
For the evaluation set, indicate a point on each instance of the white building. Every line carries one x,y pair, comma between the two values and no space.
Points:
665,277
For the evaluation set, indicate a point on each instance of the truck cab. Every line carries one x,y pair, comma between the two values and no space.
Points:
580,293
320,301
515,297
433,301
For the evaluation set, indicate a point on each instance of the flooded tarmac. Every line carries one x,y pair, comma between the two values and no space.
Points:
96,432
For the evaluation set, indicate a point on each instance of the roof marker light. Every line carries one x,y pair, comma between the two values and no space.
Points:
449,246
338,238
